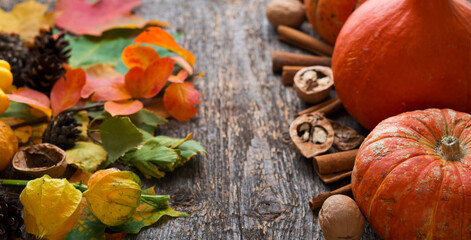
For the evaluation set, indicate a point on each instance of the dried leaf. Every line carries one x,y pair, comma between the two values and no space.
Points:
123,107
138,56
66,91
86,156
157,107
105,89
119,135
88,227
183,63
51,207
180,100
33,98
81,17
26,19
147,83
116,236
159,37
102,71
345,138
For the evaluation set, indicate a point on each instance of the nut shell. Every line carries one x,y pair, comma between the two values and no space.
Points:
26,160
285,12
318,93
309,149
340,218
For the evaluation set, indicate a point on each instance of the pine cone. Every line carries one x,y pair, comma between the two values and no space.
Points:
48,55
10,217
15,52
63,132
46,44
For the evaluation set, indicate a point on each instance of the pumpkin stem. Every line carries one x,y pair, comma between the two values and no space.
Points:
450,149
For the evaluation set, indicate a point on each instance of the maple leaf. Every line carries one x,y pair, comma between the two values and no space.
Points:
180,100
26,19
81,17
65,94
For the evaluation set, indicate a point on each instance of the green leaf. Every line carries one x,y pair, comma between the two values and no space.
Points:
118,136
146,215
106,49
190,148
147,117
18,110
88,227
86,156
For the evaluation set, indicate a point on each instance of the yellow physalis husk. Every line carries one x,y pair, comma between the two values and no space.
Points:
113,195
51,207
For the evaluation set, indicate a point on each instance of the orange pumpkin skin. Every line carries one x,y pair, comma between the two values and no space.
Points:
328,16
403,55
403,184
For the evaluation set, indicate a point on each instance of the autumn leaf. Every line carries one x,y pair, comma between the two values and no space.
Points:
86,156
180,77
146,83
26,19
123,107
103,89
138,56
180,100
88,227
159,37
66,91
33,98
81,17
119,135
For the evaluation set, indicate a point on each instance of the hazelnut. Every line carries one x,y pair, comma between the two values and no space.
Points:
340,218
285,12
313,84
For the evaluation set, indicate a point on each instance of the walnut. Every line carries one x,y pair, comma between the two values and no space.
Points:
285,12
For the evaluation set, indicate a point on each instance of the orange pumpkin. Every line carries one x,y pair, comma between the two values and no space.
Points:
328,16
403,55
412,176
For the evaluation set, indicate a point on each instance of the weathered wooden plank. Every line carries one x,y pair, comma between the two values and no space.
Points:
253,185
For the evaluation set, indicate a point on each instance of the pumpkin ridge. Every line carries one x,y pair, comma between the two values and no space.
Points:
446,123
391,170
434,211
463,201
428,128
464,128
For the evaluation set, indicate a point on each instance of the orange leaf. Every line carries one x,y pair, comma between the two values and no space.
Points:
81,17
159,37
183,63
147,83
180,77
33,98
103,89
138,56
180,100
66,91
124,107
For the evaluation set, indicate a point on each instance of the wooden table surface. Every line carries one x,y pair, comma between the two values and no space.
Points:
253,184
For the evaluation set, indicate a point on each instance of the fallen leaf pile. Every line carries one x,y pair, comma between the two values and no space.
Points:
119,77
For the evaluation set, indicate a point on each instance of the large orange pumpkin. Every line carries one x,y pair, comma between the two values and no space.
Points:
328,16
403,55
412,176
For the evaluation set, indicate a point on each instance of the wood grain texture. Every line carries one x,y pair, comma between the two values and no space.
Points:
253,185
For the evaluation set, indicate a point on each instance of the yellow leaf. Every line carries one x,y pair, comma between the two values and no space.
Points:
51,207
113,195
26,19
24,133
86,156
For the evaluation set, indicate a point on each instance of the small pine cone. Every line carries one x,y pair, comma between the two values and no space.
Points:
63,132
15,52
42,73
10,217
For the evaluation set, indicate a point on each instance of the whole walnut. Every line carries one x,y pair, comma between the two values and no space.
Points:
340,218
285,12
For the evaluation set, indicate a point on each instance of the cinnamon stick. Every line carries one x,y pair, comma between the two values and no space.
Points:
327,107
317,201
280,59
335,162
304,41
288,73
334,177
